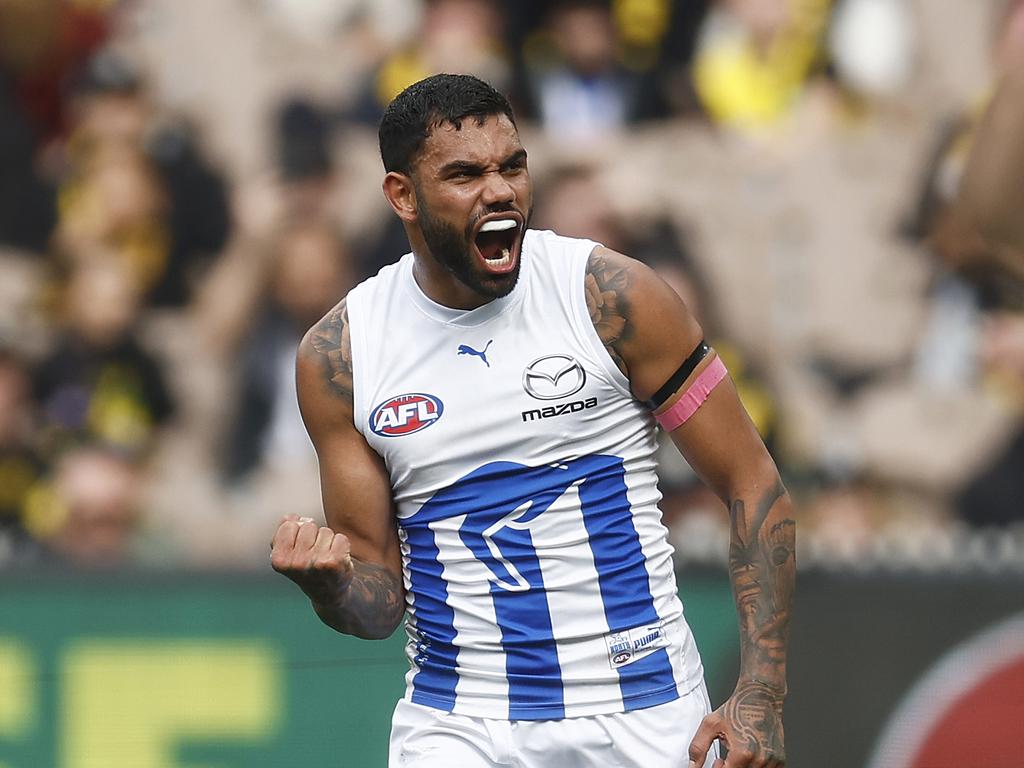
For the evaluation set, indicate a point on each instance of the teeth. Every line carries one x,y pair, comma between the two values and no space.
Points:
498,225
504,261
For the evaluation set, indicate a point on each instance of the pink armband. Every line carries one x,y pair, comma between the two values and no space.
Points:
693,397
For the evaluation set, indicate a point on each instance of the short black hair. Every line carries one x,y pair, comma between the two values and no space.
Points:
414,113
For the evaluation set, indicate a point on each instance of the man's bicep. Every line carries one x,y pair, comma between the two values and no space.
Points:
354,483
658,340
357,498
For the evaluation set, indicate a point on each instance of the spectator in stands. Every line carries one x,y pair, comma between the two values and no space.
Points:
755,57
305,166
464,36
311,273
43,46
995,173
98,382
138,185
21,467
577,86
88,516
977,325
28,209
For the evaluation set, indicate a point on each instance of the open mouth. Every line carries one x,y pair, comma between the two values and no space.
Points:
497,240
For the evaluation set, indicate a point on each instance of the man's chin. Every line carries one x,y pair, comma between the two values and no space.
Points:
496,286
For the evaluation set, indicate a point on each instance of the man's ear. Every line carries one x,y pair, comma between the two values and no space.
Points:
401,195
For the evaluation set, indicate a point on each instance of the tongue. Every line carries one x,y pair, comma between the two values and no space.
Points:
490,244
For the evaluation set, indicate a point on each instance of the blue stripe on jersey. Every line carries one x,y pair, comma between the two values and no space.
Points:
524,617
435,623
499,500
623,579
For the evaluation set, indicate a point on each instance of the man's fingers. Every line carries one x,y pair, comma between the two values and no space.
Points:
322,545
341,547
306,536
284,538
333,553
706,733
719,763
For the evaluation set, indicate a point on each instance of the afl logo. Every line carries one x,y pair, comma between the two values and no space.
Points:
405,414
553,376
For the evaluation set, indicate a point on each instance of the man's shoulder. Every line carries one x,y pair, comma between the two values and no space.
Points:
548,238
385,275
373,291
545,247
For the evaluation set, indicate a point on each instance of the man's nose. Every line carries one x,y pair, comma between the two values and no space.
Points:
497,189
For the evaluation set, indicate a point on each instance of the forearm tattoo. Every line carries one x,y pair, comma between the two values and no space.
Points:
371,606
606,286
330,337
762,565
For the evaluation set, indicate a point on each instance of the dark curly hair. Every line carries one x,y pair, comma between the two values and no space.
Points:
414,113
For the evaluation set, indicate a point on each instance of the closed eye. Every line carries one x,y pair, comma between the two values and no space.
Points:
459,170
516,163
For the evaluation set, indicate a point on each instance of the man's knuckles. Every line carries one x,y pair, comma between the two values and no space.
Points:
741,757
303,547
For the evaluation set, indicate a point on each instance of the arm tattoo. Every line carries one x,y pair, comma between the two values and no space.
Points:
330,337
371,606
606,286
762,565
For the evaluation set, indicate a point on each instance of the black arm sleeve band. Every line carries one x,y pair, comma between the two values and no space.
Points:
676,379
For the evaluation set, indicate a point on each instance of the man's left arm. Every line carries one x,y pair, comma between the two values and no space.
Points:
993,181
650,334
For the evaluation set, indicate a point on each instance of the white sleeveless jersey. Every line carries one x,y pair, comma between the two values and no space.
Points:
538,574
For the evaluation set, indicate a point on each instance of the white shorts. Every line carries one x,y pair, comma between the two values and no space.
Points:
656,737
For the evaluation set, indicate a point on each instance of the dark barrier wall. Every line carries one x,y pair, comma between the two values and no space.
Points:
140,671
894,659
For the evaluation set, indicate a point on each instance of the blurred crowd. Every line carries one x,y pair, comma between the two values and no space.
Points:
185,187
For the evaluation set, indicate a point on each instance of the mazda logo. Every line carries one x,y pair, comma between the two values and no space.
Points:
553,376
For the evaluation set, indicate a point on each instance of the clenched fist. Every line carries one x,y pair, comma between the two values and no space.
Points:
314,557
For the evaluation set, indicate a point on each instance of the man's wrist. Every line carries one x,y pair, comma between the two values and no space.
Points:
774,686
328,598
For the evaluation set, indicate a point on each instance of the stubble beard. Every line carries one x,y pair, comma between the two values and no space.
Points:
452,250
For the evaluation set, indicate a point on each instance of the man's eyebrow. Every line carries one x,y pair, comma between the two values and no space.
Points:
457,166
516,158
468,166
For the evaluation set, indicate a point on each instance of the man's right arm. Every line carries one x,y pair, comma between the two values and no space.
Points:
993,185
351,568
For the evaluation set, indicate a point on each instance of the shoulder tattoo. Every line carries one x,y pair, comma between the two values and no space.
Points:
330,338
606,286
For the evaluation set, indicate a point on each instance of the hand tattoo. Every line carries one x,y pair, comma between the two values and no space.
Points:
330,337
755,711
606,286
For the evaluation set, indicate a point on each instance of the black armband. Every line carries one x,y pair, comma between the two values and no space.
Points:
676,380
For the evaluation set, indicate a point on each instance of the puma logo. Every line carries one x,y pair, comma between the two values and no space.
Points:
465,349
